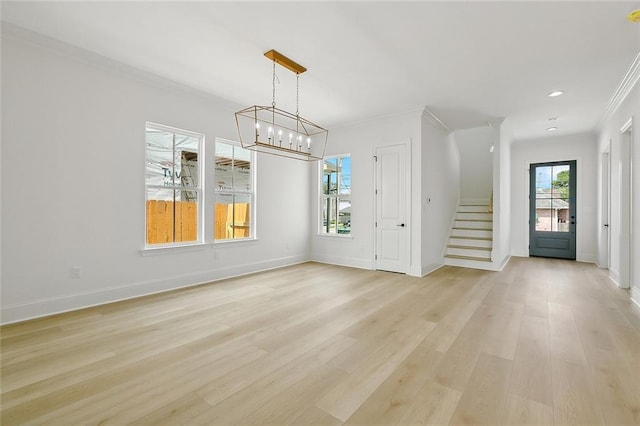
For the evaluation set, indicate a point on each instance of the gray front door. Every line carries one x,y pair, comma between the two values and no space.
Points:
552,210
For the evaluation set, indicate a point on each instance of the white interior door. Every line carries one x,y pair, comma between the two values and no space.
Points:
392,227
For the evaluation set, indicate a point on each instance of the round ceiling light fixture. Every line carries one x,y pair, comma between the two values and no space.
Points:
634,16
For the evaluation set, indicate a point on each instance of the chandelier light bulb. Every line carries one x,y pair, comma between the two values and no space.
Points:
276,123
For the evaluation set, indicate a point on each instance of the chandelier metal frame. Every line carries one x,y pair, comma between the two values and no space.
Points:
287,134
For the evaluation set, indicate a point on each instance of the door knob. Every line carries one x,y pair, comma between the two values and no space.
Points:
401,225
606,225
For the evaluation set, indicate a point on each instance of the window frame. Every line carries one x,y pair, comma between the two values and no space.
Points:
198,189
322,196
253,194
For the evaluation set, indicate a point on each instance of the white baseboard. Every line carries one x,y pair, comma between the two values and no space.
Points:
504,263
431,268
587,258
635,296
614,276
72,302
350,262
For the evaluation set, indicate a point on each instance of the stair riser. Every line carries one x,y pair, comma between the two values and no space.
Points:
468,215
470,252
468,224
471,233
478,209
474,243
487,266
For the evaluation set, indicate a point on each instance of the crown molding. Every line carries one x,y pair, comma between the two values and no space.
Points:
355,123
625,86
31,38
435,120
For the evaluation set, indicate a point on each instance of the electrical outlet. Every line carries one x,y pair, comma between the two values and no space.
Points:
76,272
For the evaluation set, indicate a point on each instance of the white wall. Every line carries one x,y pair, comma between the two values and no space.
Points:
580,147
611,137
434,190
503,193
440,192
476,163
360,140
73,131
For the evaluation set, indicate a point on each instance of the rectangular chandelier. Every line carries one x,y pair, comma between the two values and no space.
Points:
275,131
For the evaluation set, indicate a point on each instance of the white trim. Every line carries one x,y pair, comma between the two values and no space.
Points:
350,262
615,277
161,249
622,91
81,300
322,196
339,236
199,189
505,261
209,234
78,54
356,123
430,269
435,120
635,296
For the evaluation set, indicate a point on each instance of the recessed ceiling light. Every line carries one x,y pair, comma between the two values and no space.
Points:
552,118
555,93
551,129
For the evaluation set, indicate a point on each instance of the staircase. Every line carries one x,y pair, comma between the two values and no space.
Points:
471,239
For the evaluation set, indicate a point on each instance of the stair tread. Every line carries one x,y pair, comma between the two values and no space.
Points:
474,229
463,237
469,247
457,256
474,205
474,220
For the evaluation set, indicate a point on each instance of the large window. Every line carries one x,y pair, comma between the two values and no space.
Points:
335,202
172,185
234,192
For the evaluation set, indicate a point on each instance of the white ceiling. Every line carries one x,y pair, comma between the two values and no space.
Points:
469,62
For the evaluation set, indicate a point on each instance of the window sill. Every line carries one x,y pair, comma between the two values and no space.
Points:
233,242
154,251
339,236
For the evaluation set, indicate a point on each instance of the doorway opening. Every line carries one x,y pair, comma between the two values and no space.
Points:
552,210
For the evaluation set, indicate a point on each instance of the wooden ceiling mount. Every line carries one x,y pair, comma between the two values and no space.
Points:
280,59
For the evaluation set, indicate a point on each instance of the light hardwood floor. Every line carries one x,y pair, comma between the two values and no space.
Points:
542,342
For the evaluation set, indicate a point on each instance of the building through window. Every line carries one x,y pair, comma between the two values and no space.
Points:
335,203
172,177
234,192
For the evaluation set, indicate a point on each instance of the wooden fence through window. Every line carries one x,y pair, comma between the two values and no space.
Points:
163,215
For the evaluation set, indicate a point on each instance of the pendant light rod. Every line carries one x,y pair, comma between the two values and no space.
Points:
280,59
